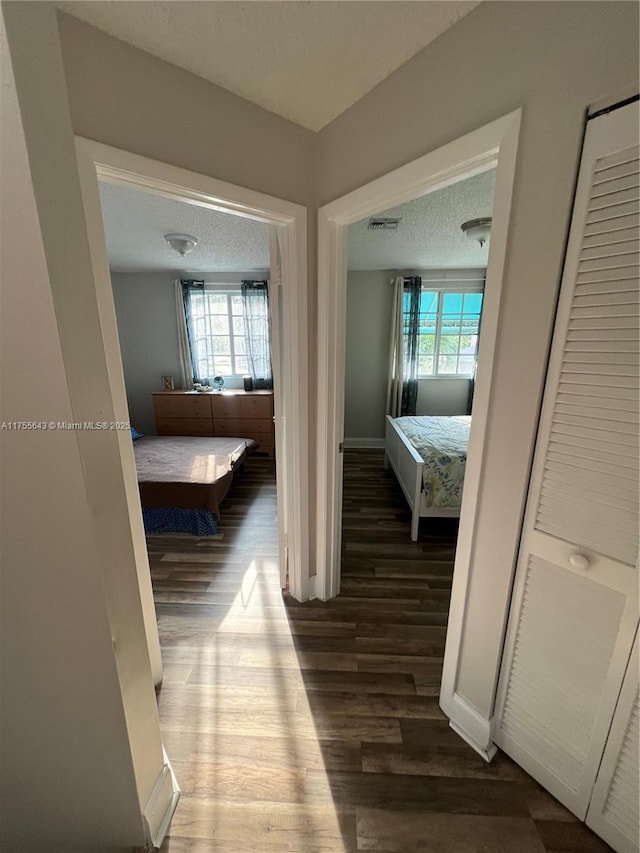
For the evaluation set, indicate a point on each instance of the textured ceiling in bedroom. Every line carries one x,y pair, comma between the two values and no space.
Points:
429,232
135,223
305,61
428,235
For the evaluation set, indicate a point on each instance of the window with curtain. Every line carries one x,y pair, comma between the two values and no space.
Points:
448,331
216,330
228,330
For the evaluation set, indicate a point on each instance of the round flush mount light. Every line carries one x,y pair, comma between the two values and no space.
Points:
181,243
478,229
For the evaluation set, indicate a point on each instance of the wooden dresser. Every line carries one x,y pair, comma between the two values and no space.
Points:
245,414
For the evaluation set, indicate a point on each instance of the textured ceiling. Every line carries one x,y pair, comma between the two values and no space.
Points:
135,223
429,232
306,61
428,235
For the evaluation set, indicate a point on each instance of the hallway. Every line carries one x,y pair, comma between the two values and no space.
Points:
316,727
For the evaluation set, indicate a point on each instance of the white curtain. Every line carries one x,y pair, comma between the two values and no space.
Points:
184,354
394,382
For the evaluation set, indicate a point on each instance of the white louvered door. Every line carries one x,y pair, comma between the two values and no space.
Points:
613,810
574,610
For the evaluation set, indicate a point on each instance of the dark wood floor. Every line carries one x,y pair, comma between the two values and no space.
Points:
316,727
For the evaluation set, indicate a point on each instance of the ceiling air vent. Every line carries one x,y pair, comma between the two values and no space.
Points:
381,224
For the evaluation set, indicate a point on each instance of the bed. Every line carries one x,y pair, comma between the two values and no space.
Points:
428,456
183,480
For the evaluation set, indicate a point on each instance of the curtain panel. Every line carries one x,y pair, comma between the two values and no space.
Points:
255,303
189,287
184,352
402,381
394,380
411,324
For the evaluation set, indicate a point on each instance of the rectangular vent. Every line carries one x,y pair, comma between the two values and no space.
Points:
383,224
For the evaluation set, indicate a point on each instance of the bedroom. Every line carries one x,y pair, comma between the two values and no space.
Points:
187,313
423,253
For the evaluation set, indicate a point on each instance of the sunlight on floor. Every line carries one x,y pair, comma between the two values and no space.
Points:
238,726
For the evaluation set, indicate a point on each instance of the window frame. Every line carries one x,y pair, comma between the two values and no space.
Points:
442,288
229,289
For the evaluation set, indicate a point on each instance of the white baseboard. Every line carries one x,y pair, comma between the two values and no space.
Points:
161,805
364,443
471,726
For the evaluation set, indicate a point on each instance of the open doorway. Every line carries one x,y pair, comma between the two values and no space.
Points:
415,288
476,153
193,323
286,224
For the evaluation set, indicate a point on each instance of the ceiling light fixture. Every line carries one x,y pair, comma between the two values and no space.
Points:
478,229
181,243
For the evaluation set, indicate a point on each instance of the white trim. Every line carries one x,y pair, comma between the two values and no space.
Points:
364,443
123,167
473,728
471,154
161,805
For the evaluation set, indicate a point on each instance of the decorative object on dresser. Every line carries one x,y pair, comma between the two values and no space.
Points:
240,414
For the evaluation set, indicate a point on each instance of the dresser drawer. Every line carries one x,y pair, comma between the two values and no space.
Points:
243,406
182,406
240,426
184,426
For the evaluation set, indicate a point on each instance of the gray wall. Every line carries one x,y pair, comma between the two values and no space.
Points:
369,298
147,328
369,304
552,60
80,748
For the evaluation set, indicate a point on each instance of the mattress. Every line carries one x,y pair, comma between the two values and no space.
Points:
190,472
442,443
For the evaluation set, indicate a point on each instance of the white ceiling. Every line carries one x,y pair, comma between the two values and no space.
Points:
429,234
306,61
135,223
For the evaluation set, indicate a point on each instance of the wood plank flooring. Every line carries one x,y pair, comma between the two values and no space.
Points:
316,727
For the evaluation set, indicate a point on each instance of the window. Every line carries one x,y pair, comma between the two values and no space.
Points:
219,332
448,329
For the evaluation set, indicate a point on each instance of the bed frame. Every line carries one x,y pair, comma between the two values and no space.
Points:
407,465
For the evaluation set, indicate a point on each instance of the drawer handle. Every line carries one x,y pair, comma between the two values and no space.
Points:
579,561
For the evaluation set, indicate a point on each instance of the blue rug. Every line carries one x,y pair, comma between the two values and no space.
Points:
199,522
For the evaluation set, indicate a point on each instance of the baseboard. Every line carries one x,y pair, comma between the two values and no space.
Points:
161,805
471,726
364,443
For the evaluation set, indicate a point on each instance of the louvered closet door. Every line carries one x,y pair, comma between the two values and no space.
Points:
613,810
575,605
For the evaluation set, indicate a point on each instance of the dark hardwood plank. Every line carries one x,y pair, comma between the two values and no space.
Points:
316,727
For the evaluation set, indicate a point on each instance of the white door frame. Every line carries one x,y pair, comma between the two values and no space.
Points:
122,167
471,154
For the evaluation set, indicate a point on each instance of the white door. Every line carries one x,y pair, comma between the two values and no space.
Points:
278,351
575,605
613,810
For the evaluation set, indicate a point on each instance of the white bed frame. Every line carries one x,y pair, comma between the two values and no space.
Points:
408,465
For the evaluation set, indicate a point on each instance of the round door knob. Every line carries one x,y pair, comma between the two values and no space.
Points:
579,561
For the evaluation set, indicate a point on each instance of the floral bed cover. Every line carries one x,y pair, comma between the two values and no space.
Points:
442,442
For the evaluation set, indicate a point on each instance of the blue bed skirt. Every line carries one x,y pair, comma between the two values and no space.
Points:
199,522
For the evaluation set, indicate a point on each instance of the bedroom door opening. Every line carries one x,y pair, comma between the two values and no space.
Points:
494,145
287,226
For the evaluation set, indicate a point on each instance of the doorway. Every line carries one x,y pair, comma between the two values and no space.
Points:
97,162
490,146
